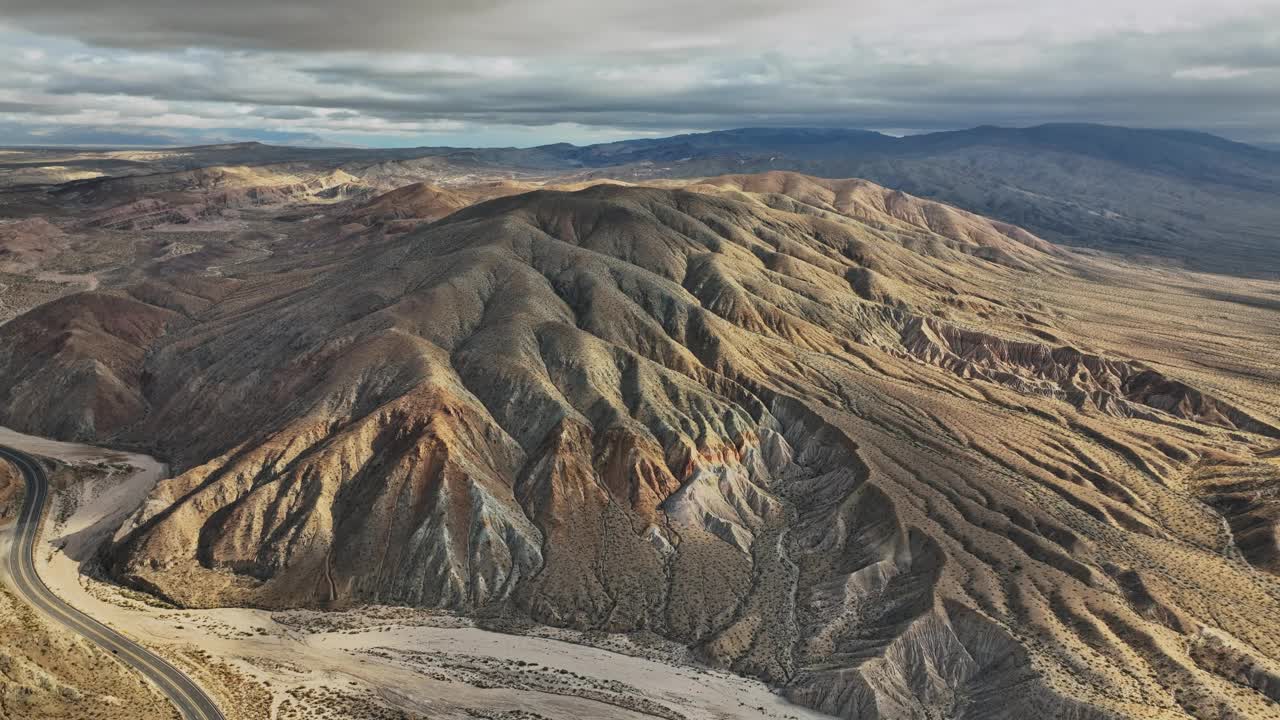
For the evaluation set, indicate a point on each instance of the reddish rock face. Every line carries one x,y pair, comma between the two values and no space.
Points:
838,437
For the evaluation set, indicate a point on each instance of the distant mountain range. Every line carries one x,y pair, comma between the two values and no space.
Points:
1193,155
1184,197
1174,197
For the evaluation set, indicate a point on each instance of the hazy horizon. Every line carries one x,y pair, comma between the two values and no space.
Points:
391,146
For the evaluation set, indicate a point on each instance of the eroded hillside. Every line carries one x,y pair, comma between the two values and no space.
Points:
886,454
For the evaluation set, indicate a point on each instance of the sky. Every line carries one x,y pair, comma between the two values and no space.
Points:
500,72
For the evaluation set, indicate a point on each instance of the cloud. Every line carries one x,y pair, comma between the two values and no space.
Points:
18,134
1211,72
284,113
461,26
457,71
555,27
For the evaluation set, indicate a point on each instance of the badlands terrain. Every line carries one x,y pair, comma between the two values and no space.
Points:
585,432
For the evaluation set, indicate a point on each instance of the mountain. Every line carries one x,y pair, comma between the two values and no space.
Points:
795,142
409,206
895,458
1167,197
1186,198
1190,155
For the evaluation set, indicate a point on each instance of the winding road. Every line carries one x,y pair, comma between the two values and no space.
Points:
19,564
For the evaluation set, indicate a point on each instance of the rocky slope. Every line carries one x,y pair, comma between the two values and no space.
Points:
146,201
25,242
11,490
409,205
827,434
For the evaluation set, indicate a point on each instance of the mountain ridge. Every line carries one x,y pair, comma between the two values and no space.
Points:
1170,197
859,444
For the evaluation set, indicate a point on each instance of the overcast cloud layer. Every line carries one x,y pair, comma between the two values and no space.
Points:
495,72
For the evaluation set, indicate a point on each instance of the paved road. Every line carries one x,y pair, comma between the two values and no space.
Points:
19,563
